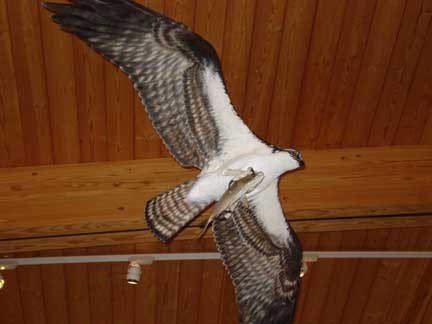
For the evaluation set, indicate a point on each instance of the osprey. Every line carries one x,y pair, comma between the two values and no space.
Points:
178,76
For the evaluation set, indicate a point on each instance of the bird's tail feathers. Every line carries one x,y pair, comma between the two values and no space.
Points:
170,211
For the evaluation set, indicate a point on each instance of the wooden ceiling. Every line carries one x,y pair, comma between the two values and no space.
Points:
307,74
345,291
311,74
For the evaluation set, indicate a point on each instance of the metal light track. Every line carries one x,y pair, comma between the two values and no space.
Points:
308,256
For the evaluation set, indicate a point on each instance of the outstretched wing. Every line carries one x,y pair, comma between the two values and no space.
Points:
265,276
175,71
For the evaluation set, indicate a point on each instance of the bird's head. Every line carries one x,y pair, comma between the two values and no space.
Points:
291,158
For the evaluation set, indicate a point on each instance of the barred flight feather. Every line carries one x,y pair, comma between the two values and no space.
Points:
167,213
164,59
266,276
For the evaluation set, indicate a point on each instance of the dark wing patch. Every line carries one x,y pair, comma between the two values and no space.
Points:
266,277
165,61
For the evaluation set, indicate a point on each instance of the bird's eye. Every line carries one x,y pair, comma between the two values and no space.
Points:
252,171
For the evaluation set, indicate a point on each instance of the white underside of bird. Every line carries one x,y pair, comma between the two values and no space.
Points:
240,153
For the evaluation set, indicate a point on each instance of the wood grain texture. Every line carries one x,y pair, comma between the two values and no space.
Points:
77,287
342,278
31,291
388,276
210,22
411,39
299,19
427,315
353,286
349,55
182,11
99,288
324,42
120,114
409,281
427,131
263,63
167,279
91,101
212,279
145,236
236,48
12,148
363,278
228,309
380,46
420,304
54,290
61,85
372,181
320,278
190,283
31,84
417,107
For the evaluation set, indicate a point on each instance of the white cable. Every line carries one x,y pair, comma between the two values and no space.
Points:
308,256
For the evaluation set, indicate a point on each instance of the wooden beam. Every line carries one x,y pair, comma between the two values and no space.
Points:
346,186
193,232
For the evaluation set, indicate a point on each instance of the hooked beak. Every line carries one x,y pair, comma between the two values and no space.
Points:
301,162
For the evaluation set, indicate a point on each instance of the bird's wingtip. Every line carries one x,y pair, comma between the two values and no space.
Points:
51,6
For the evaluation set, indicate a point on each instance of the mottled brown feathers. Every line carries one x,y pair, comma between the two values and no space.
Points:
164,59
167,213
266,277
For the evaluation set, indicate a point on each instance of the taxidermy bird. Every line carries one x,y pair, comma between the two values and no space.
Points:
178,76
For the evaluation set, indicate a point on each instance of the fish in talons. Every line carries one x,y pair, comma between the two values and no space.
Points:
242,184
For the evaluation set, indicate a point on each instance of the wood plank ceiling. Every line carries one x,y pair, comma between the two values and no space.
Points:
304,73
307,74
192,292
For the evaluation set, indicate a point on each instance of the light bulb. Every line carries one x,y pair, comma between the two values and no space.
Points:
2,281
303,269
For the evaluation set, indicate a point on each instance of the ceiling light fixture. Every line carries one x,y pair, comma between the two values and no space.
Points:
133,276
8,265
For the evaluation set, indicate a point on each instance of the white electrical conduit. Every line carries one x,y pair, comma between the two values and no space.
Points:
308,256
